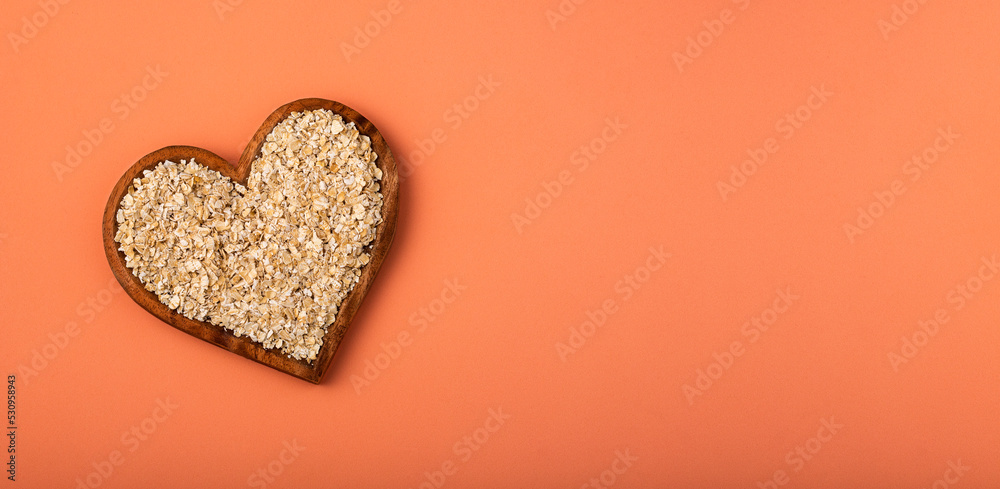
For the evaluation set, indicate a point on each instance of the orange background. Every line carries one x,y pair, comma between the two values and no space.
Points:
496,346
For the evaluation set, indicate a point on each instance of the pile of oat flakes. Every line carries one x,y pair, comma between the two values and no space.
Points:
272,260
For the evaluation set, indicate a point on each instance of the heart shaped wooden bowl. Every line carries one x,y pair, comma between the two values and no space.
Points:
217,335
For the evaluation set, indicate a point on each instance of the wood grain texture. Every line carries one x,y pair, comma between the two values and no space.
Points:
217,335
